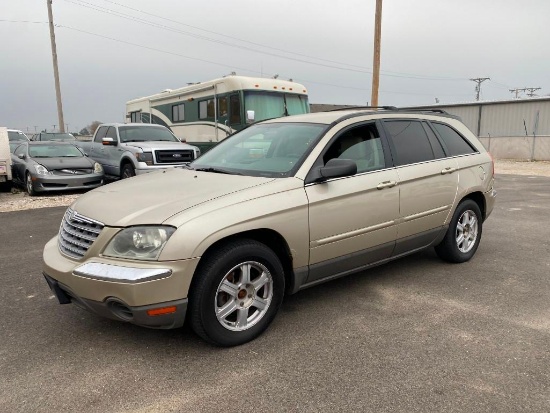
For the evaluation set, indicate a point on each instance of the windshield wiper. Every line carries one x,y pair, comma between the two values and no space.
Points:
216,170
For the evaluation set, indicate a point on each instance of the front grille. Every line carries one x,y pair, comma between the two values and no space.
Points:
175,156
65,172
77,234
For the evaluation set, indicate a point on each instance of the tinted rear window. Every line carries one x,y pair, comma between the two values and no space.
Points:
454,142
410,141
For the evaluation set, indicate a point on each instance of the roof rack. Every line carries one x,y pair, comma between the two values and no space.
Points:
363,107
429,110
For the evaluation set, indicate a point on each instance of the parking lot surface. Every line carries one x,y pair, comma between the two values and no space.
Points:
415,335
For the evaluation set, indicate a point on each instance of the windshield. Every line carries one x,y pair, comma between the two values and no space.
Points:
62,137
145,133
16,136
54,151
268,149
268,105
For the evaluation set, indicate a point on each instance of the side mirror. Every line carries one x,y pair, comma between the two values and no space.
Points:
109,142
21,156
249,116
337,168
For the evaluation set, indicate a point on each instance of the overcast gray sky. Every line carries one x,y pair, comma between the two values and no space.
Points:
111,51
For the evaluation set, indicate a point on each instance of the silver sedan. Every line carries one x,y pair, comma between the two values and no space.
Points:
54,166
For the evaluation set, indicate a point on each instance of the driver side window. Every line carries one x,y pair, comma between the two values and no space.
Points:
362,145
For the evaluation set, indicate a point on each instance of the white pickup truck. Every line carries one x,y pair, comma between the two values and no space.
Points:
129,149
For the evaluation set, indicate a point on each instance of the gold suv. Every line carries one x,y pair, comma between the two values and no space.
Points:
283,205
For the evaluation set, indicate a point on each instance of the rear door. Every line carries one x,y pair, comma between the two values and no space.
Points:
428,182
353,220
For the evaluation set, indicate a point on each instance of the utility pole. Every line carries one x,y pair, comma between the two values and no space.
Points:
376,57
531,90
479,81
517,90
55,69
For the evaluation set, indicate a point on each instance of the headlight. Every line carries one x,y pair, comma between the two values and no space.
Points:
146,157
41,170
98,169
140,243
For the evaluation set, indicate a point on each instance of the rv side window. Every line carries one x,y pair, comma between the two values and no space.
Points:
206,109
222,107
235,105
135,117
178,113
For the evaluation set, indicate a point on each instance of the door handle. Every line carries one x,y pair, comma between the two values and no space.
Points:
448,170
386,184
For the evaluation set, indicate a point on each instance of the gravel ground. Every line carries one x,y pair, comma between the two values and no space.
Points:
18,200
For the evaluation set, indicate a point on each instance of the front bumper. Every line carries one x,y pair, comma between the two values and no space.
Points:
46,183
143,168
105,286
118,310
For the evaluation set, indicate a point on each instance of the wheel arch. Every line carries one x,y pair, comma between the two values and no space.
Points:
126,160
479,199
270,238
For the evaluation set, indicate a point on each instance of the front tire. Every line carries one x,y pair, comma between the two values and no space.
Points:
464,234
128,171
28,184
236,293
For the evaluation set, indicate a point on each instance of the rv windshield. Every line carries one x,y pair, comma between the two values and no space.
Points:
144,133
274,150
267,105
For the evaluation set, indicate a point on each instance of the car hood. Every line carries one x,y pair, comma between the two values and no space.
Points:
155,145
65,163
154,197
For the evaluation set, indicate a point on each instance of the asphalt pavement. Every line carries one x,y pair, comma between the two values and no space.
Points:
415,335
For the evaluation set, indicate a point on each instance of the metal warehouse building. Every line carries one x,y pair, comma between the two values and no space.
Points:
514,129
518,128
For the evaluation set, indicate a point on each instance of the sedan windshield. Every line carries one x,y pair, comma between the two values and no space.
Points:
145,133
54,151
265,149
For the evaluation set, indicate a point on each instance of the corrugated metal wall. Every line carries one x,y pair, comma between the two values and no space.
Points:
522,117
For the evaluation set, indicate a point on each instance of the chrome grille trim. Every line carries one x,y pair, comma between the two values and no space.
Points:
77,233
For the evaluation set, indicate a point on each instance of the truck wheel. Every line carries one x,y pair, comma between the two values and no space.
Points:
127,171
236,293
464,233
29,185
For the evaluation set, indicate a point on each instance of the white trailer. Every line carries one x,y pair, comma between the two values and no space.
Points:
5,157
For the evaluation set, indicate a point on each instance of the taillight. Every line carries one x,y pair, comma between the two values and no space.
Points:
492,162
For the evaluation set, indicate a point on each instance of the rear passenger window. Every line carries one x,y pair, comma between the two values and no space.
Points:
453,141
410,141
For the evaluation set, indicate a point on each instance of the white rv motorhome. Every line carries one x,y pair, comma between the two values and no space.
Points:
205,113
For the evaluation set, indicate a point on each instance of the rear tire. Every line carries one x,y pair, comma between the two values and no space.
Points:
128,171
236,293
464,234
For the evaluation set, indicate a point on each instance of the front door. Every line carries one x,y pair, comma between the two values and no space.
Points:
353,220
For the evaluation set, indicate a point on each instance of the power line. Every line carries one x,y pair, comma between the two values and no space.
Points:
365,70
516,91
479,81
531,91
225,65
